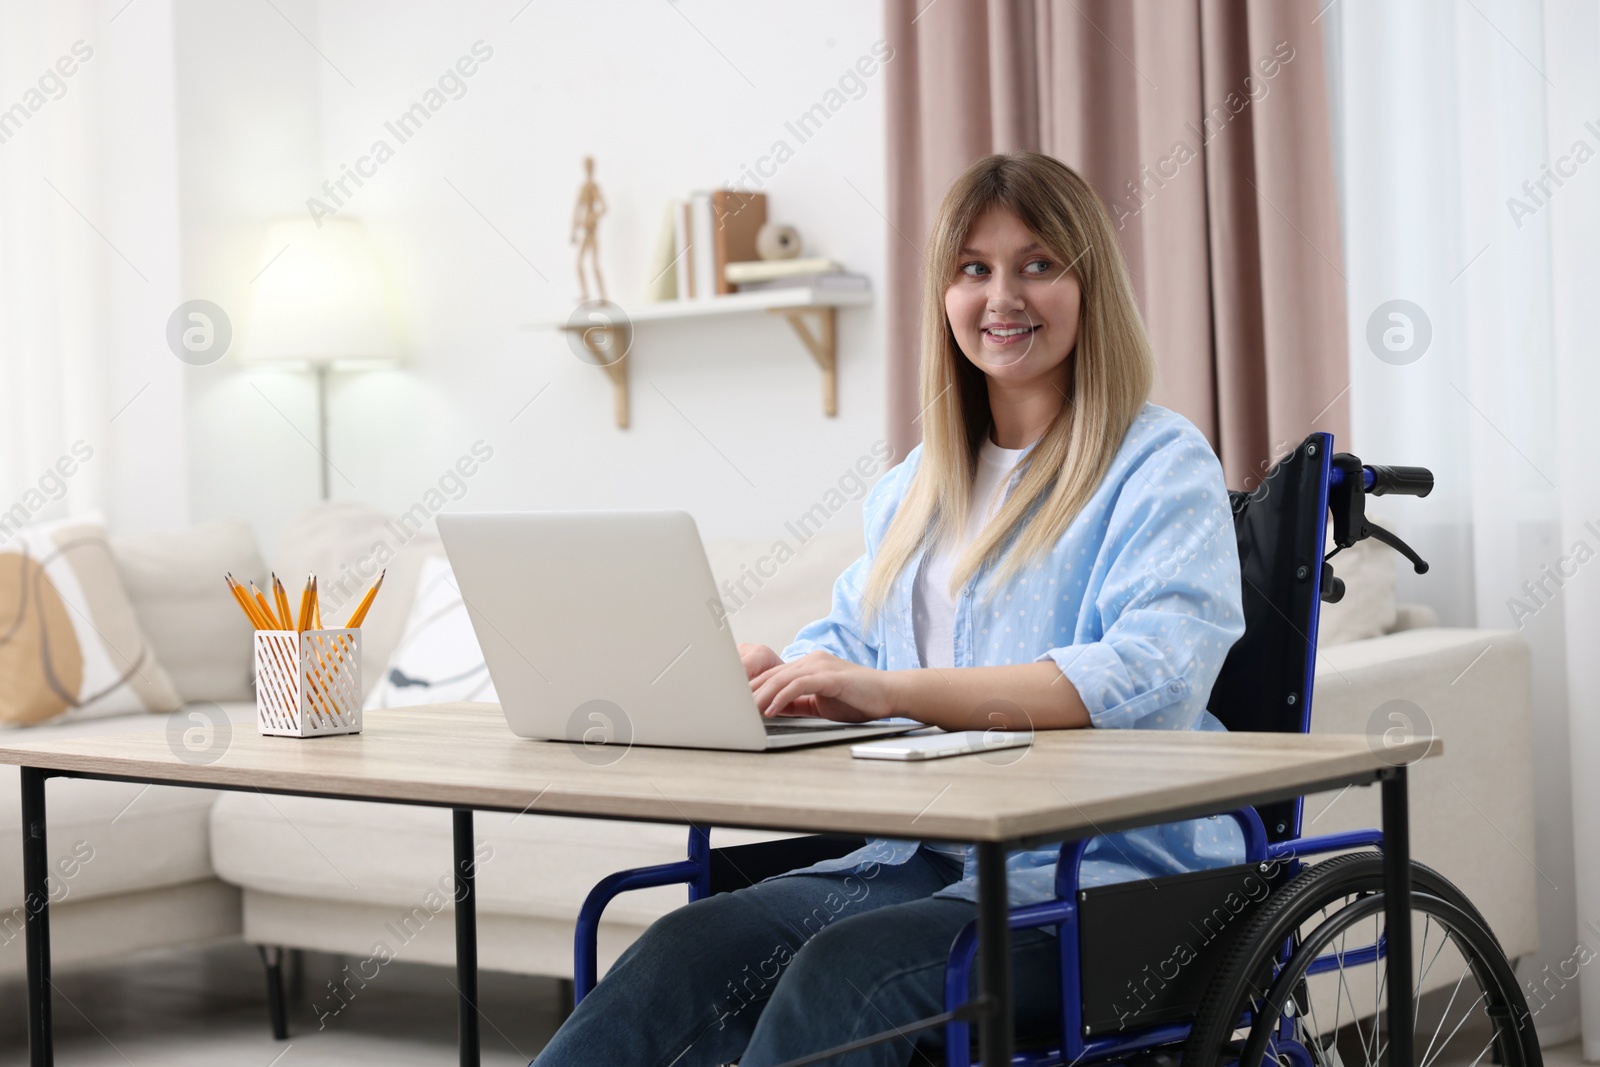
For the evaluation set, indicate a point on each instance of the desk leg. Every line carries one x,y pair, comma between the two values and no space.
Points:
1397,916
466,937
994,955
36,919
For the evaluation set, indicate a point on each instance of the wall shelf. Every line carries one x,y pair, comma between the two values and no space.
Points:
810,312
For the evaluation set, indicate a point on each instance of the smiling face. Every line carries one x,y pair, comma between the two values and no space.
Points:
1013,307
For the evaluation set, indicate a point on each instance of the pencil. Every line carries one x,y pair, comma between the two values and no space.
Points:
281,596
360,613
266,608
316,605
243,605
244,601
263,622
305,606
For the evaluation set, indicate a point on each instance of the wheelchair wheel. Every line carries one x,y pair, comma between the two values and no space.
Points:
1315,945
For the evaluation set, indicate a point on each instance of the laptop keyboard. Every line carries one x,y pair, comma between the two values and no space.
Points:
779,728
792,728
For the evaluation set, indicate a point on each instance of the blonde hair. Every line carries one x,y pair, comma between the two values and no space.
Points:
1111,373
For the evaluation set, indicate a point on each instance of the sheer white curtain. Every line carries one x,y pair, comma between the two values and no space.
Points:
89,264
1443,111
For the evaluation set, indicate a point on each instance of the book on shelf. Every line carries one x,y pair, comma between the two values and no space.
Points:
683,249
703,243
761,270
834,279
737,218
663,283
711,228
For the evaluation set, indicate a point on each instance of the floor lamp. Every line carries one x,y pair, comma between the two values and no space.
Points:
318,303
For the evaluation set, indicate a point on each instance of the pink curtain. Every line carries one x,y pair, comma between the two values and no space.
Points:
1204,127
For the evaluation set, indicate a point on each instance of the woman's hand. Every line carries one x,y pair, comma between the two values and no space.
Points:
756,659
821,684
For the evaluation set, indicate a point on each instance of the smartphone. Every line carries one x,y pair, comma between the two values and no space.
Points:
937,746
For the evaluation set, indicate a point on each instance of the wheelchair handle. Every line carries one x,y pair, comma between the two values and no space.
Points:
1400,481
1350,482
1380,480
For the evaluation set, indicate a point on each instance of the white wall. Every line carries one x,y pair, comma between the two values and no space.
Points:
471,218
247,130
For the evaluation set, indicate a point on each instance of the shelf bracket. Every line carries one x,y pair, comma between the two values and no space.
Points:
816,327
602,341
823,346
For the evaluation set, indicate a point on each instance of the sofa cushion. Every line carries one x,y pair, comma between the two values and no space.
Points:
107,838
346,545
74,646
396,854
197,630
767,601
1413,617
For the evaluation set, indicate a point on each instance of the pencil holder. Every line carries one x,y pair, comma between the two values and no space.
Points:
308,684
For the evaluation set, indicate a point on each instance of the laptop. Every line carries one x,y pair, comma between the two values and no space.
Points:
606,628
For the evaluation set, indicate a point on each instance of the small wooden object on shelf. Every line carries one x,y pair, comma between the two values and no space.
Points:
586,228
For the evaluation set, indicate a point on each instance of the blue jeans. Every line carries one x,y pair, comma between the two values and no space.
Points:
791,966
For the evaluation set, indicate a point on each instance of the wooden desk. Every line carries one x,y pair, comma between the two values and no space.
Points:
1070,784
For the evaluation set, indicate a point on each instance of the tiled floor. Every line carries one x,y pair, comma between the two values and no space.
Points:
207,1008
190,1008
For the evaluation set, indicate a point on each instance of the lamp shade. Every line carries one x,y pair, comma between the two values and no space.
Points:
320,297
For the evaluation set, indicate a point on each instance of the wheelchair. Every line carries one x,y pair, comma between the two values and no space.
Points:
1274,960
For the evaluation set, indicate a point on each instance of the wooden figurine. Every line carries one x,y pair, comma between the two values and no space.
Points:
586,221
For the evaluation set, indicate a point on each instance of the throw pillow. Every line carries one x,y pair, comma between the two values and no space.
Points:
1368,608
345,545
70,642
438,658
196,630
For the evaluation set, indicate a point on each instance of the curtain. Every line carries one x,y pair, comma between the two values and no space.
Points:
1204,127
1465,137
91,396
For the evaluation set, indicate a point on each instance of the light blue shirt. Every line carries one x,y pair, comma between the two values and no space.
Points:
1137,603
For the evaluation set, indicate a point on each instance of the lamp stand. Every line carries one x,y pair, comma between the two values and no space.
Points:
322,424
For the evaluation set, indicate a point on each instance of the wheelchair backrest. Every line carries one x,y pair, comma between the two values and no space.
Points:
1265,682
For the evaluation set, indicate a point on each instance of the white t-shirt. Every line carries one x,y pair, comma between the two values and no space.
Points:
933,611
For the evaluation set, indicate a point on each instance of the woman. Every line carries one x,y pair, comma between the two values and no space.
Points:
1056,553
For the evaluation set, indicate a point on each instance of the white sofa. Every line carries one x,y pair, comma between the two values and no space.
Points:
174,866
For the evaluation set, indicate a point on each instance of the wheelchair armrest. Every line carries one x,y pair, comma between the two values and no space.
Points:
958,969
1061,912
1308,846
1256,849
696,871
586,957
707,871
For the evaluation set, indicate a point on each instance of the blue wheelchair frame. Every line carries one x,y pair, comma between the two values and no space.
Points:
1347,480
